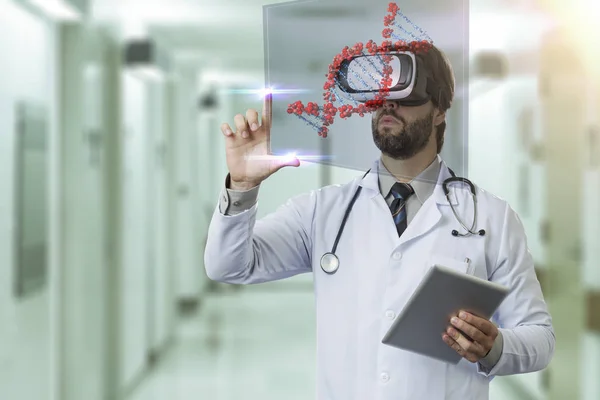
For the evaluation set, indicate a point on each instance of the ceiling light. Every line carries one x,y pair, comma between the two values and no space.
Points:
61,10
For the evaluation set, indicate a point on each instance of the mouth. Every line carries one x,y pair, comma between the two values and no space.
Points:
387,120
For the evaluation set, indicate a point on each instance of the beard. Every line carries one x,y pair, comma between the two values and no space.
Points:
402,142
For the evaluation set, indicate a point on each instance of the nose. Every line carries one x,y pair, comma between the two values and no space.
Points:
390,105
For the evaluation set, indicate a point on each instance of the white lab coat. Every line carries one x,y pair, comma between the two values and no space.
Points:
378,273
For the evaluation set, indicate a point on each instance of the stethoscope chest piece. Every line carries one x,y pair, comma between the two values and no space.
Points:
330,263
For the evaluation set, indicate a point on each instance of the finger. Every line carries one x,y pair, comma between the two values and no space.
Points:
482,324
267,111
241,126
252,118
226,129
267,115
467,345
456,347
468,329
452,343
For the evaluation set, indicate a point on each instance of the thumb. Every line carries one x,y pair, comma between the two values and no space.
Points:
285,161
291,161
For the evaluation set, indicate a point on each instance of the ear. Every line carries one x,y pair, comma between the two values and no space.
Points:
438,117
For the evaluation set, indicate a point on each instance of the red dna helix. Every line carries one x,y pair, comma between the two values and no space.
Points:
320,117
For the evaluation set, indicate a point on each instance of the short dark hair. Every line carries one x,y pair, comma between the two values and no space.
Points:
440,70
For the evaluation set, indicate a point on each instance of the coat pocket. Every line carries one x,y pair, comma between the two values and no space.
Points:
463,266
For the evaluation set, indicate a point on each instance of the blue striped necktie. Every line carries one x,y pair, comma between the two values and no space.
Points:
401,193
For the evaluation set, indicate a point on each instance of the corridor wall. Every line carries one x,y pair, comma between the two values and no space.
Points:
28,73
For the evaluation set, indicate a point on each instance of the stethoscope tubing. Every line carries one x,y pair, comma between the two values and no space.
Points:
453,178
346,215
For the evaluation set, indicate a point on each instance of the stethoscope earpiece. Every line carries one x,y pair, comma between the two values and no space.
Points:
481,232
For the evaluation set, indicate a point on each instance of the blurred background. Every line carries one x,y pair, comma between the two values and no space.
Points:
112,161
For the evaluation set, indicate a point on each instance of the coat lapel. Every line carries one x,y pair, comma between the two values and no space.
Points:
429,215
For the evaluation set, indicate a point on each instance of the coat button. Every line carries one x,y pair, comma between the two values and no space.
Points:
390,314
397,255
385,377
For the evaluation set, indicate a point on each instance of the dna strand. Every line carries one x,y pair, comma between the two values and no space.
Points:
321,117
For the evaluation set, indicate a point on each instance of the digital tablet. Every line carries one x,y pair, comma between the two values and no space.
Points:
442,293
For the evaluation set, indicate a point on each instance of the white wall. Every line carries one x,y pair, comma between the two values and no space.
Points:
84,266
135,275
209,165
25,332
188,238
146,277
161,304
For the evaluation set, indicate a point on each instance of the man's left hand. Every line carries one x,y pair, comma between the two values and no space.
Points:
482,334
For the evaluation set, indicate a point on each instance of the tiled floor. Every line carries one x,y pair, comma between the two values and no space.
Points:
254,343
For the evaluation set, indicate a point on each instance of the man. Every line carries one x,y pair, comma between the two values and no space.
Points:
386,249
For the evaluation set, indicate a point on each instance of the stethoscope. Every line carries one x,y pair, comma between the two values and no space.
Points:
330,263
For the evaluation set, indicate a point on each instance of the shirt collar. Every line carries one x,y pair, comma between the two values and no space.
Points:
370,182
423,184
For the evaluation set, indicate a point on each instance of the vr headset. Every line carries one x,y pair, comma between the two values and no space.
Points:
360,78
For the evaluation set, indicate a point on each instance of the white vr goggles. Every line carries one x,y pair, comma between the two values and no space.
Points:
360,78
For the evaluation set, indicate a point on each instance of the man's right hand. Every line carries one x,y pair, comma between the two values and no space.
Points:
248,149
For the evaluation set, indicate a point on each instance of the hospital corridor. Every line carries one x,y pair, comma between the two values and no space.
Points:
113,164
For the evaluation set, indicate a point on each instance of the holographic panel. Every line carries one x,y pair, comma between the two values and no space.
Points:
304,38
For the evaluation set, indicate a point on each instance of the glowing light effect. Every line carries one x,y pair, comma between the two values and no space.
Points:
289,157
264,92
313,158
582,17
58,10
